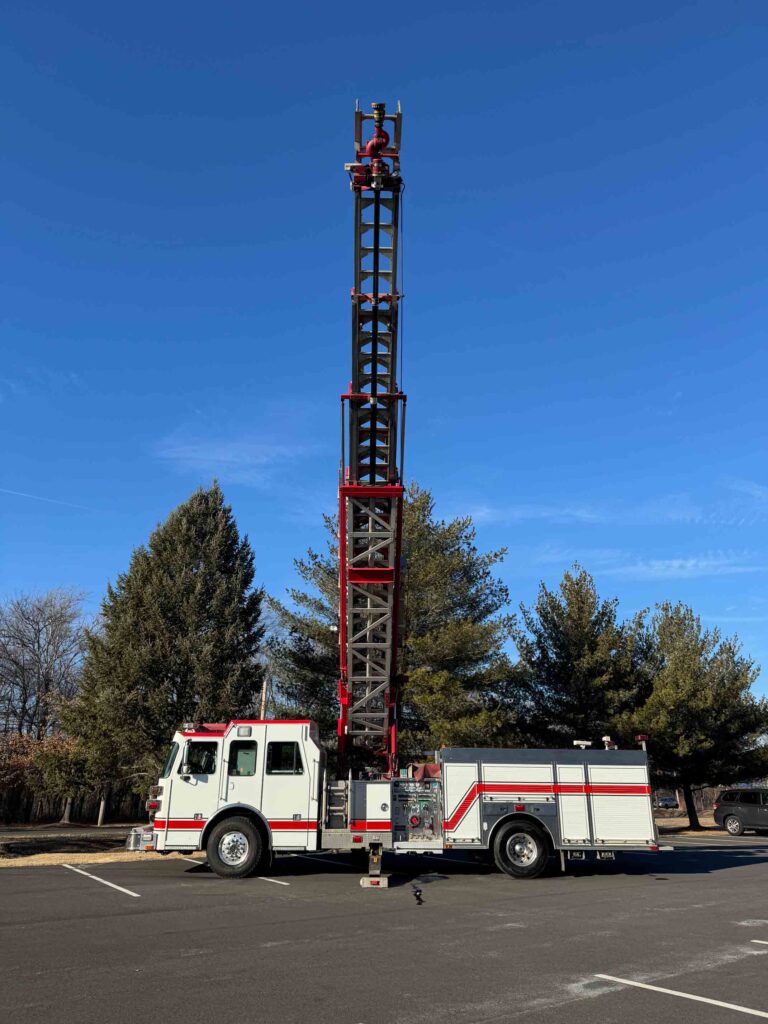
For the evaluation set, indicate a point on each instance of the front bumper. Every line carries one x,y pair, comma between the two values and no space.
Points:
140,839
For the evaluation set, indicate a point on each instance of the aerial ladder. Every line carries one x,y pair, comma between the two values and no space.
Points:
372,440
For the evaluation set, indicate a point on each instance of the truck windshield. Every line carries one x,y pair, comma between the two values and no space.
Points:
169,760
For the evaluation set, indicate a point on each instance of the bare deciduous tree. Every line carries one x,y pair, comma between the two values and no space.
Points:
41,649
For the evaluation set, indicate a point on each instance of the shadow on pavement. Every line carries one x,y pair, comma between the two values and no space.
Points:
683,861
422,871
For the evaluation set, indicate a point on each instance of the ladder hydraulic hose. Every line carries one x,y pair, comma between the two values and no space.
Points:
370,486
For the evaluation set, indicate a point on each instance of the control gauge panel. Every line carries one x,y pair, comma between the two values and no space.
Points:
417,819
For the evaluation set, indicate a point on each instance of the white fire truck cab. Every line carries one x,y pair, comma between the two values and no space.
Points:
245,790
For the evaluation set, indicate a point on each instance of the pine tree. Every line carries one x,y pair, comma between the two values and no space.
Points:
178,640
453,657
704,723
579,670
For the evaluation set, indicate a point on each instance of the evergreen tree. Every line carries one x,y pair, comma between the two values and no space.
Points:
580,670
178,640
704,723
453,655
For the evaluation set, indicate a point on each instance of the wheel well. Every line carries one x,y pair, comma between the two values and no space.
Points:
238,811
521,817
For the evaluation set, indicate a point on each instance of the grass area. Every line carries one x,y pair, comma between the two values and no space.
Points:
677,826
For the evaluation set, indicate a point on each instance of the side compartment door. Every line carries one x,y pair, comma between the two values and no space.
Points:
572,807
462,803
285,801
620,799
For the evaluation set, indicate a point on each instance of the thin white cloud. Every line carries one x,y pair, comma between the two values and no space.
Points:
665,509
32,381
629,565
739,503
687,567
49,501
518,513
751,488
240,460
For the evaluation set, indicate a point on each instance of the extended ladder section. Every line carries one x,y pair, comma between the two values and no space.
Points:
370,485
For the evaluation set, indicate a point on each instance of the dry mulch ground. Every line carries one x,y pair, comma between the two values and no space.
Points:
37,860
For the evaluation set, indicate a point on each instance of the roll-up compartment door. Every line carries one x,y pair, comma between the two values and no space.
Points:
572,804
621,804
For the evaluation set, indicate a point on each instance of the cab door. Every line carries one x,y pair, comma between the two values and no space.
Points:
286,791
241,775
193,794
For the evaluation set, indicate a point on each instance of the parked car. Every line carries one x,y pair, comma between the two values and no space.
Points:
736,810
667,803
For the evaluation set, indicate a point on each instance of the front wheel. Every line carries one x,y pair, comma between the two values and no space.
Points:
520,850
734,825
234,848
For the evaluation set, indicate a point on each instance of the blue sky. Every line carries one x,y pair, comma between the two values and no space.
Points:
585,265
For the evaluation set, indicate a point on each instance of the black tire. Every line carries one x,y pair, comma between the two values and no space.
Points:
520,849
235,848
733,825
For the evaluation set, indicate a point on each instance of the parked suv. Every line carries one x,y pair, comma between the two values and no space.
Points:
738,809
667,803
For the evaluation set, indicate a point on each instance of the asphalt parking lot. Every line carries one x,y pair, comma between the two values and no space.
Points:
167,940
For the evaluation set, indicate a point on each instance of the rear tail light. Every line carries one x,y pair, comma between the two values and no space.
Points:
155,791
153,806
716,805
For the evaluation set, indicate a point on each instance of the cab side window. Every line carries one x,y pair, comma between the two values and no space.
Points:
242,758
201,759
284,759
169,761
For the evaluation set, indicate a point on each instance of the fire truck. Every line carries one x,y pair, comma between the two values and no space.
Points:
247,789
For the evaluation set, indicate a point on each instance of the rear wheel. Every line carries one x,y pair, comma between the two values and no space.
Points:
734,825
520,849
235,848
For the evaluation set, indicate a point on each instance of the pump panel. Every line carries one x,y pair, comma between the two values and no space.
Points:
417,822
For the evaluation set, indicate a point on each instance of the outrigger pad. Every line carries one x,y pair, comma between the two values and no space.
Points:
375,882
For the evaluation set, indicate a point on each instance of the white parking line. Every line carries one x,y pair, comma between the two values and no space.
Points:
102,880
684,995
193,860
760,942
277,881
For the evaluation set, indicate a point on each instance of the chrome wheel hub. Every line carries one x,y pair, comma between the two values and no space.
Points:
522,849
233,848
732,825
